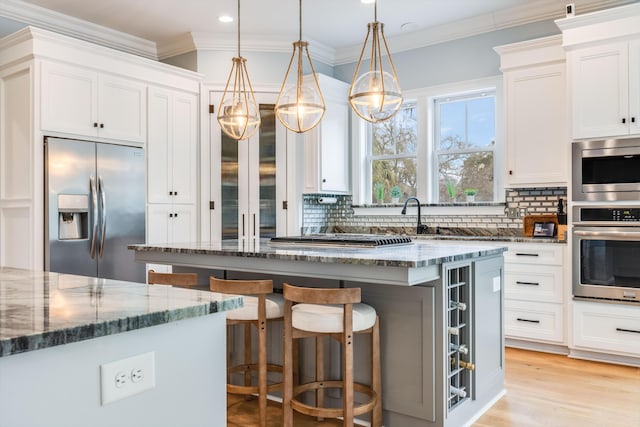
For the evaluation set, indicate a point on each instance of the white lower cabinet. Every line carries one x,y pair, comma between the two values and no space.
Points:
533,321
168,224
534,289
609,328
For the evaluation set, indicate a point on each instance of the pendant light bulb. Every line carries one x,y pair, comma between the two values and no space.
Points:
239,115
375,95
300,105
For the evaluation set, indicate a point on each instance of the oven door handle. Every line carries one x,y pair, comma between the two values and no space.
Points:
611,235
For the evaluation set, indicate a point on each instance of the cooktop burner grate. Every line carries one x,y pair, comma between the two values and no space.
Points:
337,240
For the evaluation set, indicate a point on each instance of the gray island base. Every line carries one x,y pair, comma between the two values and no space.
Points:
440,307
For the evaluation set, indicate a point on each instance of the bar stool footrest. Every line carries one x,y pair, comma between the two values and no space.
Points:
316,411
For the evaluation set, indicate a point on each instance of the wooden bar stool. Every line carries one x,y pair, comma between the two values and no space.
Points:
336,313
258,310
183,280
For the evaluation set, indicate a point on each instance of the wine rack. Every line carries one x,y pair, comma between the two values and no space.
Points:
458,295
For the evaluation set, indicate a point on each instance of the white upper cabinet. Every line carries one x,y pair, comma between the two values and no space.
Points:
172,148
326,147
536,117
603,61
83,102
601,91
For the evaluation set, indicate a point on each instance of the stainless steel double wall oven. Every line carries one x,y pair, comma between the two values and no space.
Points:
606,219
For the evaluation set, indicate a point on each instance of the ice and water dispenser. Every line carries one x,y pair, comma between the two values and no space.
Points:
73,216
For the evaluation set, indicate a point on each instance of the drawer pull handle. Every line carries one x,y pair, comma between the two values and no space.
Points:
527,320
627,330
525,254
527,283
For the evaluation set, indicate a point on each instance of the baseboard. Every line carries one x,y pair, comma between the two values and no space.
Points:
604,357
537,346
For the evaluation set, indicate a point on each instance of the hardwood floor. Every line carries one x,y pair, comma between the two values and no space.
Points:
554,390
542,390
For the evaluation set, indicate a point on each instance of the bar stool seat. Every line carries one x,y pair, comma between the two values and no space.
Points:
274,308
261,306
329,318
336,313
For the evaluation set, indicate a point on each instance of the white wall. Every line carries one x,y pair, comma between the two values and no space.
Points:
458,60
60,386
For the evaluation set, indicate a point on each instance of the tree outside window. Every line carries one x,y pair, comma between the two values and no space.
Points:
393,156
464,147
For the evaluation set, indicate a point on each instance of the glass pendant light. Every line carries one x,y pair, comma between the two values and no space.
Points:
300,105
239,116
375,95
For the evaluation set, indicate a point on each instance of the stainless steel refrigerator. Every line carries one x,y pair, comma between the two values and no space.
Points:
95,207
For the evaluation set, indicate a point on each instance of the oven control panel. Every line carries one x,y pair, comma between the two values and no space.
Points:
613,214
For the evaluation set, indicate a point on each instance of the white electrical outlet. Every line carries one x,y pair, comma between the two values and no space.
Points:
127,377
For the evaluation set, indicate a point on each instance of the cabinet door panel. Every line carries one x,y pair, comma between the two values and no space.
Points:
159,176
158,224
122,110
600,91
537,126
69,99
334,149
184,146
183,224
607,327
634,87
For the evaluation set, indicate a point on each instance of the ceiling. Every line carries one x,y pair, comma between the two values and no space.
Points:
336,24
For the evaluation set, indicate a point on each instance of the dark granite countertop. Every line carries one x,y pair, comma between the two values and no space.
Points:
40,309
420,253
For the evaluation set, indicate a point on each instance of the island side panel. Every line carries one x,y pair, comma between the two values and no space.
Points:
60,386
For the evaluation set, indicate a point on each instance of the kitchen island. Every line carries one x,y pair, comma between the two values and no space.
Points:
440,308
57,330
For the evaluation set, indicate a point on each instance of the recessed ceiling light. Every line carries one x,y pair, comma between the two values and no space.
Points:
225,18
367,1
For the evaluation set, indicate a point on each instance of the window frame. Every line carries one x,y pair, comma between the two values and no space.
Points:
424,99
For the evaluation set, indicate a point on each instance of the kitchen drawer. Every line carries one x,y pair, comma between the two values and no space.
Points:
537,253
524,282
609,327
533,321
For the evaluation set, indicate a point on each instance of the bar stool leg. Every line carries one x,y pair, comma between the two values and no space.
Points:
262,362
320,372
287,393
376,381
347,366
247,353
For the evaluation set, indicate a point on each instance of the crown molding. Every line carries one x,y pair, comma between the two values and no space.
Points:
227,42
528,13
67,25
531,12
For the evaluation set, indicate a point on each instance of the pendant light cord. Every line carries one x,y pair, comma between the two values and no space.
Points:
300,21
375,11
238,28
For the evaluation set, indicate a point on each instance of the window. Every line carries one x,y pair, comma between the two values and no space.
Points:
393,156
464,145
441,143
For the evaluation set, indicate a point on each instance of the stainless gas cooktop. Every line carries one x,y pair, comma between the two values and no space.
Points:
341,240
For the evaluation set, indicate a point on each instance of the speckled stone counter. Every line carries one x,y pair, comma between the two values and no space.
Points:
410,264
40,309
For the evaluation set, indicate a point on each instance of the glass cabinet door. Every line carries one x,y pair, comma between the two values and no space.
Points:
248,182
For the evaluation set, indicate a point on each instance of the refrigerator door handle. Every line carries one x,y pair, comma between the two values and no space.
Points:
94,213
103,209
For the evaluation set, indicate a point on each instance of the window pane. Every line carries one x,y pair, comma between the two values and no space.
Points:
460,172
397,135
481,122
452,125
467,123
391,173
